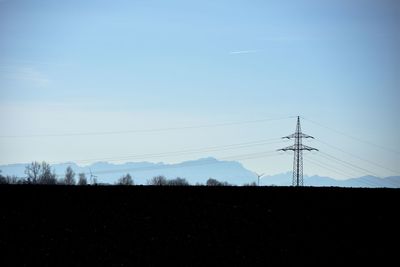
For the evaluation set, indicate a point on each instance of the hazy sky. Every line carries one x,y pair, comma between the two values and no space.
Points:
73,67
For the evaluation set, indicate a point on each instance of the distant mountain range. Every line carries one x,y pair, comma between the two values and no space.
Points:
198,171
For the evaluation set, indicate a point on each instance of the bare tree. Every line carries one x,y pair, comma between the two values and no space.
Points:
250,184
178,182
15,180
47,176
125,180
69,176
11,179
32,172
82,179
158,180
215,182
3,179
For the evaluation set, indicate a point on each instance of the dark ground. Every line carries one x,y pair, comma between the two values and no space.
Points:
126,226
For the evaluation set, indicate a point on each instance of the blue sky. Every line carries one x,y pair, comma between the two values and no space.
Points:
100,66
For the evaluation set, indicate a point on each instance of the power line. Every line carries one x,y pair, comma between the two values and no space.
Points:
252,156
188,164
359,179
325,166
332,168
324,154
352,137
298,147
187,151
353,155
381,183
144,130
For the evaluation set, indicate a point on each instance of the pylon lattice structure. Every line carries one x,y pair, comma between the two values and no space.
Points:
298,148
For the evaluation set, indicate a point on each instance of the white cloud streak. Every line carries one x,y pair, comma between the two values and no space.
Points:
243,52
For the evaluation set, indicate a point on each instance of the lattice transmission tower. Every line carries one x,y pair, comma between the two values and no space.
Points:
298,148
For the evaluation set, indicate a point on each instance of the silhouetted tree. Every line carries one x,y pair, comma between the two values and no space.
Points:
11,180
15,180
82,179
251,184
69,178
3,179
215,182
47,176
158,180
178,182
32,172
125,180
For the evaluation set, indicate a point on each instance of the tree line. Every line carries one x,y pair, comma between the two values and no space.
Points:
42,174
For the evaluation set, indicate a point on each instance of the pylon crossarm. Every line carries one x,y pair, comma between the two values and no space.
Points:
289,136
308,148
306,136
298,148
299,135
291,148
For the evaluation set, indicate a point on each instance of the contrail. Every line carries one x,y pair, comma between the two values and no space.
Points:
243,52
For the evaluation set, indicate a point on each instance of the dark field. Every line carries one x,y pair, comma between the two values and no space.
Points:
126,226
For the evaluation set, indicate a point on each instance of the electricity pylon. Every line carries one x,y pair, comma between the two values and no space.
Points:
298,148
